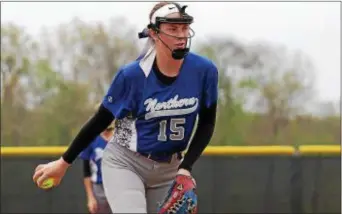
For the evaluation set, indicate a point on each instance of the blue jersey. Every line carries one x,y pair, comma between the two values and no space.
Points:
152,117
94,153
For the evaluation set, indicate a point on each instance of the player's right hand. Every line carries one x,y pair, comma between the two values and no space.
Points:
54,169
92,205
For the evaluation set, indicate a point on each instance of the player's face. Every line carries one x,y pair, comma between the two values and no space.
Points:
174,35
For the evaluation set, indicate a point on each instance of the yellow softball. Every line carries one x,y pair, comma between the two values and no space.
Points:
48,183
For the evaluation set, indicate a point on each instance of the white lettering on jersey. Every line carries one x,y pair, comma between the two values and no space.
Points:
172,107
98,153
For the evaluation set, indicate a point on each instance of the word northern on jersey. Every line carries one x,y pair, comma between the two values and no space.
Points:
152,117
172,107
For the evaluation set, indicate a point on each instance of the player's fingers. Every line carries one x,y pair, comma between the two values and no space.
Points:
193,180
40,166
96,208
41,179
90,209
57,182
93,208
37,174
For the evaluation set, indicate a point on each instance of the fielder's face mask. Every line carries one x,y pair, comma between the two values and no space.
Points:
160,17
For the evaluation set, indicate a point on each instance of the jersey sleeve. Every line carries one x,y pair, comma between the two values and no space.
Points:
211,87
117,95
85,154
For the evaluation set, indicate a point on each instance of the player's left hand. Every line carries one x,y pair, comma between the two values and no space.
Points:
181,197
187,173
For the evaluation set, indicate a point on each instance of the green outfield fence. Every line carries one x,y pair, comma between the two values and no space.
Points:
231,179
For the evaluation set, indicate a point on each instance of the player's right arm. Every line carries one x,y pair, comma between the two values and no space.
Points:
88,132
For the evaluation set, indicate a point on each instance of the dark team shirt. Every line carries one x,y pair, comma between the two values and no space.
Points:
156,113
153,117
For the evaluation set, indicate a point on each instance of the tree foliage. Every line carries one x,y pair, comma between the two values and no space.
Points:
51,82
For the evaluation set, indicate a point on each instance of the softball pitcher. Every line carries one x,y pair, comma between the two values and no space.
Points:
155,101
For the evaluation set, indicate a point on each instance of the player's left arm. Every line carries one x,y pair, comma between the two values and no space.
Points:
206,122
182,196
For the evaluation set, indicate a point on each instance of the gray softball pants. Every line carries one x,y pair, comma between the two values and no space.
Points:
134,183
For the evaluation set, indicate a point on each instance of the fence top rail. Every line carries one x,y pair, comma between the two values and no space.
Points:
320,149
211,150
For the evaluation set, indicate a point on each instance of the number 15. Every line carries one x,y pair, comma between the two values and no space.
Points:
175,127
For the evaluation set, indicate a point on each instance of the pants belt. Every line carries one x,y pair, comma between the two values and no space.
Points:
160,157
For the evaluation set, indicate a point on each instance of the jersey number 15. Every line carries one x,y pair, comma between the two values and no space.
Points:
176,128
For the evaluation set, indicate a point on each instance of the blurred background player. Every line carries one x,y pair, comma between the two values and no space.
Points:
92,158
